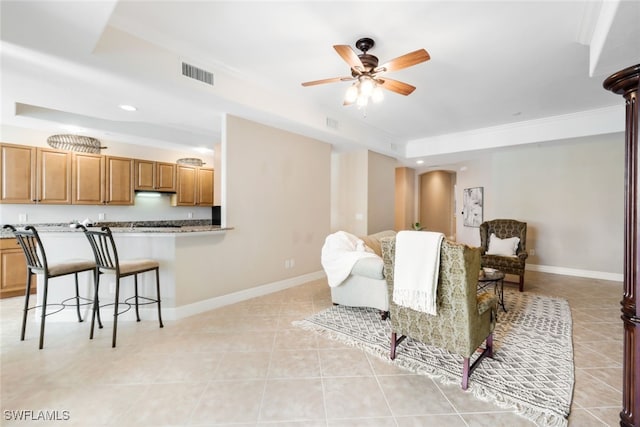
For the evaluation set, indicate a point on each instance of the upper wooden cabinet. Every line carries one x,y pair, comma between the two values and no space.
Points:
119,181
101,179
205,187
155,176
41,175
194,186
88,179
34,175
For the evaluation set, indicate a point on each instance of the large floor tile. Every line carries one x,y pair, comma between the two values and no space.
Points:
246,364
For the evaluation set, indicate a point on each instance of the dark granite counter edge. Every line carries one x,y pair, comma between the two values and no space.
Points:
138,226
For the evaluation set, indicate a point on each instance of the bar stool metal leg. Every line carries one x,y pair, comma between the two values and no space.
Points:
77,299
96,302
115,313
26,305
44,310
135,288
158,296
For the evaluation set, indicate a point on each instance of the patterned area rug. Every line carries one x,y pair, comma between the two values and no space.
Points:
532,369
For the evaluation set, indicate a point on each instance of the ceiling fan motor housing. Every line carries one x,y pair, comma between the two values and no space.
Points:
370,62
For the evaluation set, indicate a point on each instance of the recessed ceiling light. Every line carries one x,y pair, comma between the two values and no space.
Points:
419,162
126,107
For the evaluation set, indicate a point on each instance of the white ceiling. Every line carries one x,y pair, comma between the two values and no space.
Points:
494,66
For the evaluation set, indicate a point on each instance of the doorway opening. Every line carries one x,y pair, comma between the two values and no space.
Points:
437,202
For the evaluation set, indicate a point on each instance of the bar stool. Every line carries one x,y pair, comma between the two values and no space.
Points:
36,260
107,262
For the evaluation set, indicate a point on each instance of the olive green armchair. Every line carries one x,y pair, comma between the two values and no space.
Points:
511,263
464,319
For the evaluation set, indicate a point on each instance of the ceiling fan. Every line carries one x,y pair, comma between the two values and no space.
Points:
368,75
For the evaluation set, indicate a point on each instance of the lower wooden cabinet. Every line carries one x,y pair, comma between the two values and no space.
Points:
13,270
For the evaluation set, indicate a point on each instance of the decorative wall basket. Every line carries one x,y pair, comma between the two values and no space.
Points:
83,144
192,161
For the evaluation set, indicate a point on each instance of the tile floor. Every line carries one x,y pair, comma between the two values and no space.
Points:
246,365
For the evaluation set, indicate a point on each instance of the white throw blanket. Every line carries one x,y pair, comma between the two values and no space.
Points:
340,252
417,265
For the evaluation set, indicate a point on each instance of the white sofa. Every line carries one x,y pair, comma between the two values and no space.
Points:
366,285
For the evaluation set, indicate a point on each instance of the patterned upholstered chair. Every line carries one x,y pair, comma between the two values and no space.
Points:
503,229
464,319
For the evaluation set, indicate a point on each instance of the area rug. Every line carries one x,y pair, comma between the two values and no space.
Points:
532,370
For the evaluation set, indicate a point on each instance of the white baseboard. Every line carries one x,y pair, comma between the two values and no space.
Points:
217,302
150,313
603,275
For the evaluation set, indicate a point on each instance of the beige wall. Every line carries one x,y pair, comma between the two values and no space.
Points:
362,192
349,194
381,193
278,201
569,192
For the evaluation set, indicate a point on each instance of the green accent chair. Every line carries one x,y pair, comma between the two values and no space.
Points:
504,229
465,318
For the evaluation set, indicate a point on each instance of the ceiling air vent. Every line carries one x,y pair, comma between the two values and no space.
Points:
194,72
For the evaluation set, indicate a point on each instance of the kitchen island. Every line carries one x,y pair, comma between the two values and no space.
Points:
181,250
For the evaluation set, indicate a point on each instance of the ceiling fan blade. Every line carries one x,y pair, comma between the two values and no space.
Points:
396,86
405,61
323,81
349,56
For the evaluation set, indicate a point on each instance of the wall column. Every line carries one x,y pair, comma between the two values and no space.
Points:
626,83
404,198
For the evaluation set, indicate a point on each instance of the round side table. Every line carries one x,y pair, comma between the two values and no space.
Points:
495,277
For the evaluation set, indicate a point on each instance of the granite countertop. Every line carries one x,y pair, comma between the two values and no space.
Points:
190,226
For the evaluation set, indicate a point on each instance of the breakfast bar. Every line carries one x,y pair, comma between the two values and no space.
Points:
169,244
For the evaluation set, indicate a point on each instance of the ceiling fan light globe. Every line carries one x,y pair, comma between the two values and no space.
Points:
351,95
362,101
377,95
367,86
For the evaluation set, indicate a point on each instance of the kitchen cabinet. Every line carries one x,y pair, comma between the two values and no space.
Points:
205,187
88,179
155,176
119,181
101,179
34,175
13,270
194,186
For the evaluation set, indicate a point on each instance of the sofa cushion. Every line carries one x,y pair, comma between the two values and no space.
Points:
504,247
373,240
369,267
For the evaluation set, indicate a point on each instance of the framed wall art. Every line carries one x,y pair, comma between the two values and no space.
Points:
472,202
